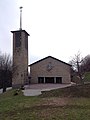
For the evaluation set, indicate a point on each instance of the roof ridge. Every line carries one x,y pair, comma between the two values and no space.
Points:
50,57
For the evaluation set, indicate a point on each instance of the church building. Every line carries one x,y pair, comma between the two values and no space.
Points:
46,70
50,70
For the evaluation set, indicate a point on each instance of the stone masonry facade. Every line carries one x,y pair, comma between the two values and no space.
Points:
50,67
20,59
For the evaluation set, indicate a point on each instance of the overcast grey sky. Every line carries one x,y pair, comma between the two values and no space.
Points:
59,28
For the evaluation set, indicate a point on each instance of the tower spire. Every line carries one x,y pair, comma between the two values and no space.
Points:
21,18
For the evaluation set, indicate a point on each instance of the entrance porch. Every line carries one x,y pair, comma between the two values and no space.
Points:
50,80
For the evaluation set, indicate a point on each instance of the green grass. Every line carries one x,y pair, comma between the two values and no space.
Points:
53,105
87,77
73,91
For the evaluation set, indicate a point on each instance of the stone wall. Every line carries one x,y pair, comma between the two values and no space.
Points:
58,69
20,61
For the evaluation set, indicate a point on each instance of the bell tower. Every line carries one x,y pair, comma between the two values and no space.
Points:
20,56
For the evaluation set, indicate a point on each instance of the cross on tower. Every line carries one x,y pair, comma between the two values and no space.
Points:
21,18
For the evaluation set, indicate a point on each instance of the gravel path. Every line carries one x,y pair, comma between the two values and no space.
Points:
1,90
36,89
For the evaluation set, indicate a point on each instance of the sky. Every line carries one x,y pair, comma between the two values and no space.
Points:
58,28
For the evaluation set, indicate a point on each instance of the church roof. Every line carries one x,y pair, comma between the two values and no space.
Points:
21,31
49,57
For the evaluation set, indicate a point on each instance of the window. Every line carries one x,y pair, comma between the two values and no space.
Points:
58,79
26,41
40,79
17,39
49,79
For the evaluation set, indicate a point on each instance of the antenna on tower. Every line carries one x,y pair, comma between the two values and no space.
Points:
21,18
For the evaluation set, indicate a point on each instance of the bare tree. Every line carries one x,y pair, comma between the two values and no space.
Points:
76,65
86,64
5,69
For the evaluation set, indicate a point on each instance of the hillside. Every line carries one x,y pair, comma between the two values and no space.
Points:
71,103
87,77
73,91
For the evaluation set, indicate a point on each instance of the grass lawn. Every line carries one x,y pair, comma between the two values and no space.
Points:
72,103
87,77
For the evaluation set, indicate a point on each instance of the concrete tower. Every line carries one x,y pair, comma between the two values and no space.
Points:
20,56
